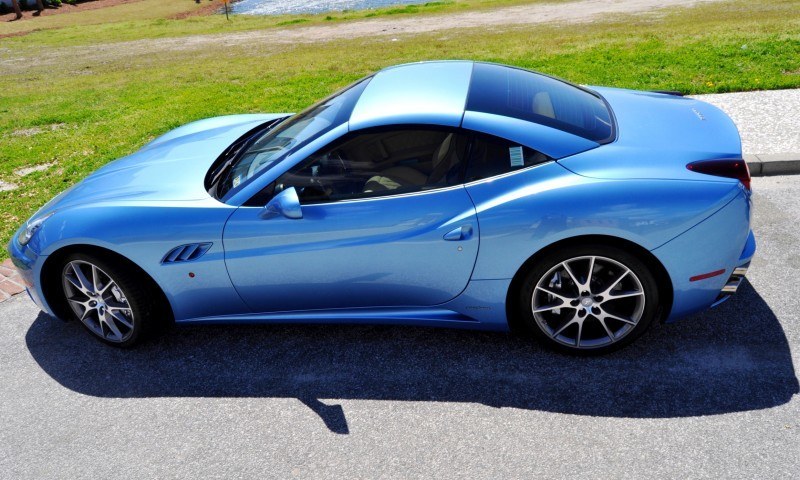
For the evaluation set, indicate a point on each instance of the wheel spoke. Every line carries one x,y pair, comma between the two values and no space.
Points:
605,327
632,293
569,322
588,283
607,291
85,284
82,305
548,308
572,275
118,307
578,336
606,315
120,318
106,287
75,283
111,326
95,279
564,299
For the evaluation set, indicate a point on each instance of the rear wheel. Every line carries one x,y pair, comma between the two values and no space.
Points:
113,303
588,300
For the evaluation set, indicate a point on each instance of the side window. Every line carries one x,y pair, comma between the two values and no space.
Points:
491,156
379,163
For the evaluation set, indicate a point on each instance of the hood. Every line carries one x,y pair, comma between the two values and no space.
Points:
170,168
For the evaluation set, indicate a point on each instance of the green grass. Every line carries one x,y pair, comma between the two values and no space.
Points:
88,112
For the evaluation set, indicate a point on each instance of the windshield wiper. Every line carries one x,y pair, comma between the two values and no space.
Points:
229,157
223,169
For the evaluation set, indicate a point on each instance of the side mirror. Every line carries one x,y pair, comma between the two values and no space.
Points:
285,203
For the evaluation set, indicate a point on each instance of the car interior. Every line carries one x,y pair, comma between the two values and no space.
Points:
379,163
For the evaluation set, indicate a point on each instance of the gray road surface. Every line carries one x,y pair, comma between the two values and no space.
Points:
712,397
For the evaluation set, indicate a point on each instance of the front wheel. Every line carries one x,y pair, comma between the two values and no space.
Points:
110,301
588,300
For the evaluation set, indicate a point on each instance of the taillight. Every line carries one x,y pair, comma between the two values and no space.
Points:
731,168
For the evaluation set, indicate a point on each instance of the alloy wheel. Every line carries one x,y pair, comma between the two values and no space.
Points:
588,302
98,301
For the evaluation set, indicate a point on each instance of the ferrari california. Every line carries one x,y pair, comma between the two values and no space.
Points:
454,193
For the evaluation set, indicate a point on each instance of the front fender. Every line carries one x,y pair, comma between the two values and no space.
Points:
144,233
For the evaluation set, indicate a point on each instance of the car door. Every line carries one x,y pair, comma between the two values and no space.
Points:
386,222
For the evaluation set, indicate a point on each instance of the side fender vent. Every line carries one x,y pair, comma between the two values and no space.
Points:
186,253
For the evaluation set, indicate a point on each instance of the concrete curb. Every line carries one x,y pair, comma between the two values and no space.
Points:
766,164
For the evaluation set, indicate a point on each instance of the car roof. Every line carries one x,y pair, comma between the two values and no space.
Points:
423,93
436,93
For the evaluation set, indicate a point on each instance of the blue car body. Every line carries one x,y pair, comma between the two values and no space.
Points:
389,259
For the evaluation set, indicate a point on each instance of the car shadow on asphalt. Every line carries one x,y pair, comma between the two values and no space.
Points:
730,359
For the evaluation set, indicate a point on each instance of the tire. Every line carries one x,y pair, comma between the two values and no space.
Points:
565,311
111,300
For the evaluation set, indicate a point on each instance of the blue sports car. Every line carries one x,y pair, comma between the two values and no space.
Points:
458,194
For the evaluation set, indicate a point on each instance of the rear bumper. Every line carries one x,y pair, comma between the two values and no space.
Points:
707,264
738,274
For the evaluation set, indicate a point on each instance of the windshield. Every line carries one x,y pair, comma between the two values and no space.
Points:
270,147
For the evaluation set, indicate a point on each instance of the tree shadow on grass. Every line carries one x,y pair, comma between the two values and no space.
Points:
733,358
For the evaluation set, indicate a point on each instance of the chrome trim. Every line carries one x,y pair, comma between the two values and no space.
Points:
740,271
732,286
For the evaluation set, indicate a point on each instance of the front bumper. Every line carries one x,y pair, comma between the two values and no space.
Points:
28,263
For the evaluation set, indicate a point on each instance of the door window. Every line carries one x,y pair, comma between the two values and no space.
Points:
378,163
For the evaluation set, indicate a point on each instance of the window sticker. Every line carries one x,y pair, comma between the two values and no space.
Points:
515,153
236,181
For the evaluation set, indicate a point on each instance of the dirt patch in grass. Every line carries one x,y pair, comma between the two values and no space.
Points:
24,172
64,8
208,8
33,15
29,132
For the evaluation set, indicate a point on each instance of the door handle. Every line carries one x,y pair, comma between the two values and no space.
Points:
461,233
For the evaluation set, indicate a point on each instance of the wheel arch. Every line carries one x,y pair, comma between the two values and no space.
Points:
50,277
659,271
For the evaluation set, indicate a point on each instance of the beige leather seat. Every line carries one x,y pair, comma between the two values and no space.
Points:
402,176
543,105
394,178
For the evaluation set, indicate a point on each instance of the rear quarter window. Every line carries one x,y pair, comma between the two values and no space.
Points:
537,98
491,156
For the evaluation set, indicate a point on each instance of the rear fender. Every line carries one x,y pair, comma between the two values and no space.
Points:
543,205
718,243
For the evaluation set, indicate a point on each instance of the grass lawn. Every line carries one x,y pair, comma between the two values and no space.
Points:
77,114
153,19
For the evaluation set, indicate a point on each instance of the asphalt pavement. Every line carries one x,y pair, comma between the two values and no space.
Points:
713,396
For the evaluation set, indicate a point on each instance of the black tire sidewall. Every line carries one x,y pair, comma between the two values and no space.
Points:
551,259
